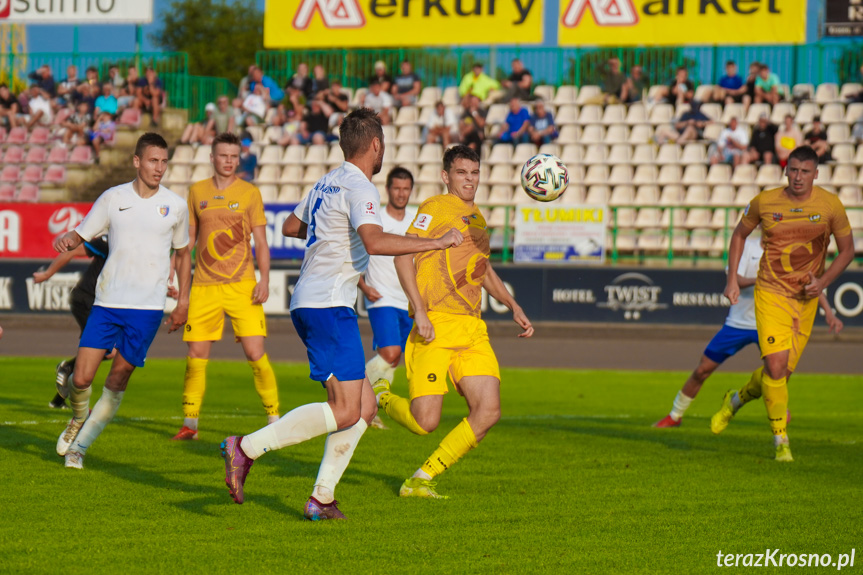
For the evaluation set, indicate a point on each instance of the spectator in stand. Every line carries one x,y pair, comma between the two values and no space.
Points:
150,94
680,90
749,95
115,78
248,161
762,144
406,86
320,82
613,85
637,85
254,107
301,84
767,86
38,107
196,131
472,123
77,126
688,127
477,83
315,126
272,93
244,88
129,90
731,87
103,133
731,146
518,84
856,131
9,107
88,95
541,129
91,77
67,91
221,121
289,122
384,79
788,138
45,80
514,129
816,138
442,126
379,101
335,101
107,102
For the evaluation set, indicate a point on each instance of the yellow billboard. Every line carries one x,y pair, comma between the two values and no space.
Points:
401,23
680,22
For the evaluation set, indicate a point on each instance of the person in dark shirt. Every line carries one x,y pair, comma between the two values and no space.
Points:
150,94
681,89
315,127
690,125
731,87
637,85
518,84
248,161
749,94
9,106
762,144
80,301
45,80
517,122
816,138
384,79
472,123
320,82
406,86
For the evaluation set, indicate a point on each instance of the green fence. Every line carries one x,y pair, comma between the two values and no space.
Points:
444,67
205,89
172,67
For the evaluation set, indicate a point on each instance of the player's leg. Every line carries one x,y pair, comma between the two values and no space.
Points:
263,375
386,343
687,393
80,304
733,400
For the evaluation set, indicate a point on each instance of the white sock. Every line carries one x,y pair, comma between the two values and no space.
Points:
296,426
191,423
780,439
735,401
80,401
681,404
377,367
338,451
422,474
103,412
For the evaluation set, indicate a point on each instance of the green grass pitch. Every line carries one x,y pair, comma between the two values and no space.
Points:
572,480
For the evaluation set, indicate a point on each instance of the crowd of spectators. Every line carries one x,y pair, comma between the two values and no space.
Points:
85,108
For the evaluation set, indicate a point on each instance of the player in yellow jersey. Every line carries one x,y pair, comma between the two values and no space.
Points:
224,213
444,289
797,222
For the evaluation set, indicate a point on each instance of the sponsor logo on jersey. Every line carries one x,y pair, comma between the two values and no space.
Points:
796,210
203,204
218,197
163,210
815,218
422,221
234,206
777,216
370,208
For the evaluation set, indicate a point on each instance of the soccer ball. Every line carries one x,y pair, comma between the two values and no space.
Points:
544,177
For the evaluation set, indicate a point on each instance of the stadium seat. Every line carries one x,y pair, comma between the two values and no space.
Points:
844,175
426,191
661,114
617,134
833,114
3,134
697,195
733,110
590,114
39,136
552,149
202,155
854,113
622,195
289,193
569,134
183,154
13,155
647,196
693,153
497,218
636,114
625,217
722,195
450,96
645,174
669,174
81,155
481,196
596,174
291,174
130,117
745,195
643,154
668,154
712,131
755,111
566,115
806,112
849,90
839,134
712,110
826,92
695,174
273,134
314,172
501,194
58,155
780,110
269,193
256,132
565,95
575,194
614,114
843,153
851,195
408,135
722,218
430,173
593,134
648,218
769,175
596,154
672,195
598,194
32,174
803,91
587,93
429,96
267,174
293,154
272,154
17,136
743,174
620,154
336,156
496,114
407,116
522,153
572,154
406,154
7,192
317,154
701,240
825,174
620,175
703,92
640,134
36,155
718,174
544,92
201,172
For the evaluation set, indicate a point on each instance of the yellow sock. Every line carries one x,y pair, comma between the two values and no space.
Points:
453,447
265,384
399,409
752,389
776,400
194,385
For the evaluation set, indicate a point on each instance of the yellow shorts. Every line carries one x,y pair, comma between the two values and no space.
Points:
208,305
783,324
460,348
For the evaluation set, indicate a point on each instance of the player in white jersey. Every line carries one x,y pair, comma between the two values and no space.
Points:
385,300
340,218
144,221
738,332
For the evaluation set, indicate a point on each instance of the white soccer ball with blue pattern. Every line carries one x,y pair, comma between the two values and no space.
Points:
544,177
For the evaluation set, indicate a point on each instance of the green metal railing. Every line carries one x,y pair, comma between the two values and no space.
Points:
444,67
206,89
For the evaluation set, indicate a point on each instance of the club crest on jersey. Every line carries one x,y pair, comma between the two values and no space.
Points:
203,204
234,206
746,210
814,218
466,220
777,216
163,210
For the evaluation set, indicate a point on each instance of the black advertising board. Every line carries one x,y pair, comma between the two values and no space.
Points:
843,18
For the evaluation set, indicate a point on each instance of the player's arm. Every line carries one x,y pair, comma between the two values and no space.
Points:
495,288
834,324
294,227
68,242
59,263
380,243
262,254
178,317
744,282
845,245
407,272
368,291
735,250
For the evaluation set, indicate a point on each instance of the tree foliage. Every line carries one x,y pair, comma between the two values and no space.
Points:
220,37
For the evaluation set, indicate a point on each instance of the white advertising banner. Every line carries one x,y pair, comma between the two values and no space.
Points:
76,11
560,233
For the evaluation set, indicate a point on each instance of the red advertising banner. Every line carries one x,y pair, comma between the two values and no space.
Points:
28,230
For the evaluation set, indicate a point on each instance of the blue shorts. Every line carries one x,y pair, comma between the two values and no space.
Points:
728,341
332,339
131,331
390,326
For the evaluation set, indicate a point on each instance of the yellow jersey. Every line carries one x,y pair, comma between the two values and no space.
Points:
796,236
450,280
224,219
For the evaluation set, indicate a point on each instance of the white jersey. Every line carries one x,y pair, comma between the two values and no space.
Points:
381,274
337,206
742,314
141,233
